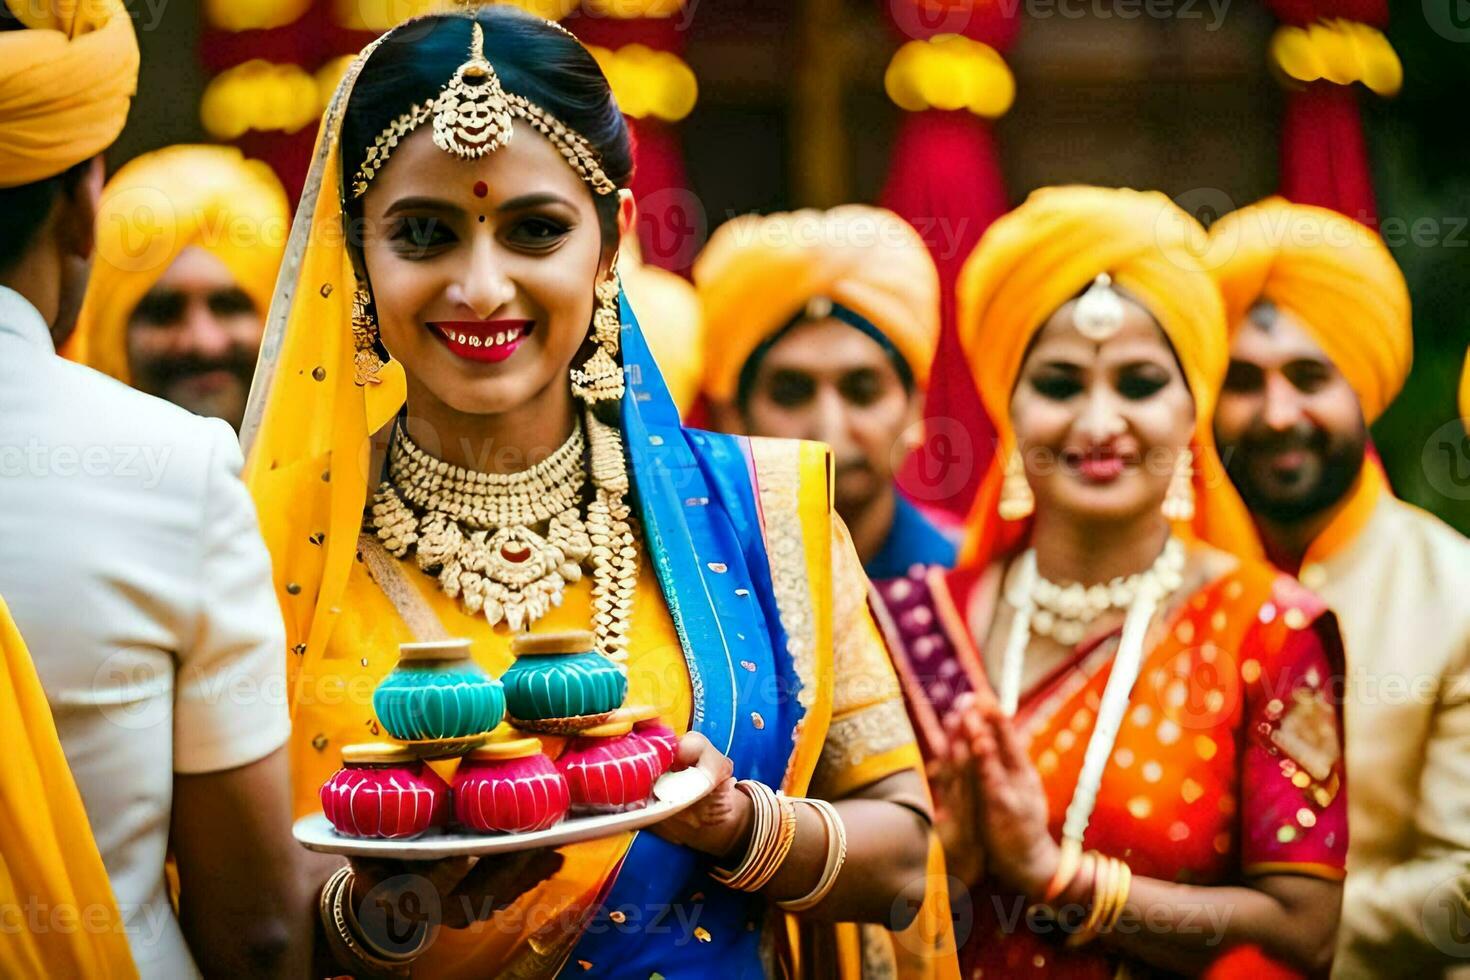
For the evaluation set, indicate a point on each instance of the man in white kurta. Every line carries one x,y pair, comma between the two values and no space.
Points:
130,556
133,566
1321,345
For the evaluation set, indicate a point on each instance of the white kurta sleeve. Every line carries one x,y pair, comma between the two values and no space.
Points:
229,702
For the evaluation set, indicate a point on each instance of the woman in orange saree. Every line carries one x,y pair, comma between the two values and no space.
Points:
1135,739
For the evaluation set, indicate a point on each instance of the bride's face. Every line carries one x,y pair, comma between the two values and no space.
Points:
482,271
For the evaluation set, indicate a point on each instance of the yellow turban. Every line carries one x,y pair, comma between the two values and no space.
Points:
1333,274
757,273
668,312
1045,252
155,207
65,85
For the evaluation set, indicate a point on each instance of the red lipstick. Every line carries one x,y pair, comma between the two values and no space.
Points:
1101,464
485,341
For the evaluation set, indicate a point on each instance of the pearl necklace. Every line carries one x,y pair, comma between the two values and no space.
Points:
1065,612
1145,592
476,533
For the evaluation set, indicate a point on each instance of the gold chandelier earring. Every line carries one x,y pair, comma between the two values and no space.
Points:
366,362
614,556
1179,501
600,378
1016,499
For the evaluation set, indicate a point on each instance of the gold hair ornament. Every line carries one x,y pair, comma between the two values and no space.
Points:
474,115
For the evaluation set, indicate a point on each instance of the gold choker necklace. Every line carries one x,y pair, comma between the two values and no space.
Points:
477,533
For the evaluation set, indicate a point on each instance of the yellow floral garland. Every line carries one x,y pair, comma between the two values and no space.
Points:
649,83
950,71
1338,51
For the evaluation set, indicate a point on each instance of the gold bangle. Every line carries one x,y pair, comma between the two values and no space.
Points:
1120,898
1069,863
771,861
1101,889
836,857
343,945
354,926
764,838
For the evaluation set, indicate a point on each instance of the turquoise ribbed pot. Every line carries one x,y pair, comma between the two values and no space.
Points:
563,685
438,699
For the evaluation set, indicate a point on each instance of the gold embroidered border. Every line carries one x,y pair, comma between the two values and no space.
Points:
778,474
857,737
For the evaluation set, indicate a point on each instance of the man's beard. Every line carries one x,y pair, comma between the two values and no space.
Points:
162,377
1335,459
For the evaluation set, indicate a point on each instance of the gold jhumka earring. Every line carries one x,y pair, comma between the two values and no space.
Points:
600,379
1016,499
1179,501
366,362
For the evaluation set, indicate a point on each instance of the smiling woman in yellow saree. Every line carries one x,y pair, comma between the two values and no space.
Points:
475,163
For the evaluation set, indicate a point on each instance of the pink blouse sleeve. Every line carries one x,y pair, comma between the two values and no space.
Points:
1293,812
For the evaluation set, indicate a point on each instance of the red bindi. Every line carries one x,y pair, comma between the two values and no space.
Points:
481,188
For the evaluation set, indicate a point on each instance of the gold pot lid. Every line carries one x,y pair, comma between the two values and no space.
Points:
608,729
377,753
541,644
638,712
513,748
452,649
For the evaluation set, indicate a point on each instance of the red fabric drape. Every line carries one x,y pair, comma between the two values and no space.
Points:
945,178
671,226
1324,156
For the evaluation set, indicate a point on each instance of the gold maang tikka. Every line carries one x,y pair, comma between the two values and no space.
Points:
473,115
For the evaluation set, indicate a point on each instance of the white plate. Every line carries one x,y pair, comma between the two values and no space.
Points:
673,792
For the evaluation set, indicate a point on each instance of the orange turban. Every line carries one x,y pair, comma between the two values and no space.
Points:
1465,391
1333,274
65,85
155,207
1044,253
668,312
758,272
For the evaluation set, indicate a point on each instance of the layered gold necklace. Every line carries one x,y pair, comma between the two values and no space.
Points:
507,545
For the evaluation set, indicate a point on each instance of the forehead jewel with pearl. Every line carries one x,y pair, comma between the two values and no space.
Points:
473,115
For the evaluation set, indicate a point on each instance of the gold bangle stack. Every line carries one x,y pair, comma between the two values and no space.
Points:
770,839
345,935
1112,881
836,857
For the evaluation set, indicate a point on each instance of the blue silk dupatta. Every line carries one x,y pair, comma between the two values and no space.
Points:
662,913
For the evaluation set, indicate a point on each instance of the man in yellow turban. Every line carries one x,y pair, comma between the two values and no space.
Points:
1321,343
189,240
131,562
822,325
